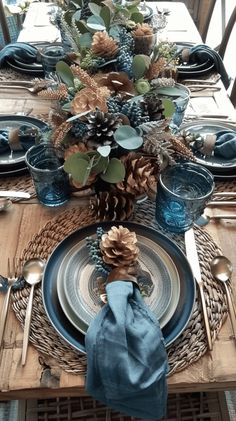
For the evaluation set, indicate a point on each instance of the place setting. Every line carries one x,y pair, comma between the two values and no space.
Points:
214,146
17,134
72,293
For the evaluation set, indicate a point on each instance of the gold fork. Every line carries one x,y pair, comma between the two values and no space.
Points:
12,275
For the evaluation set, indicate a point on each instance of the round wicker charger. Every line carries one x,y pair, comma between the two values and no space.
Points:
190,345
24,182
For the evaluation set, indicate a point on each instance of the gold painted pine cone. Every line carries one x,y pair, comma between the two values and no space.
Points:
118,247
112,206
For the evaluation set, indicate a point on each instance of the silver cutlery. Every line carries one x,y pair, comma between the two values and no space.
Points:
32,272
13,193
32,90
17,82
192,256
12,275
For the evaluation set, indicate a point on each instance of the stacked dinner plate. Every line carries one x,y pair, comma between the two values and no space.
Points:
12,158
71,292
222,168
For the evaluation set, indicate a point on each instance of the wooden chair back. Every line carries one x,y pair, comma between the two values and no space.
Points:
201,12
227,33
3,24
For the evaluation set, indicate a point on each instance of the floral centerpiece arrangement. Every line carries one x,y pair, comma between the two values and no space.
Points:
110,120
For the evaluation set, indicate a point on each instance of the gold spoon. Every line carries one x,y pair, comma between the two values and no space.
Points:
222,269
32,272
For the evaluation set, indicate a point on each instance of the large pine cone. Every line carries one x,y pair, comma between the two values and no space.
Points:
113,206
118,247
101,128
141,175
153,106
103,45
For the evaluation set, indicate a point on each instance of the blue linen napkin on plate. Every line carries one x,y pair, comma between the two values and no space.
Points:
201,53
127,360
19,50
225,145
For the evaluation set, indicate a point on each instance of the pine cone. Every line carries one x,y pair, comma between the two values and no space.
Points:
111,206
140,174
88,100
71,150
142,29
101,127
155,68
103,45
153,106
118,247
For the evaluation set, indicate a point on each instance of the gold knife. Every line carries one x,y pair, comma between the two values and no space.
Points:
192,256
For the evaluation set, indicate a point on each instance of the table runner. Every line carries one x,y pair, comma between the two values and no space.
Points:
186,349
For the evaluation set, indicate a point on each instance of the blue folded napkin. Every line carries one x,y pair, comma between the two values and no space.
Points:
201,53
225,145
20,51
127,360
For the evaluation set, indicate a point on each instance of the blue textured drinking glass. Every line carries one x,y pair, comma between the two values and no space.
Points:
182,194
50,55
51,182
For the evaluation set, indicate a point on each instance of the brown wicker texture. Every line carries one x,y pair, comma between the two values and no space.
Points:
185,407
191,344
25,183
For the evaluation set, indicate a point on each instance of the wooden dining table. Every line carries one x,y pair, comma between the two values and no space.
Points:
215,370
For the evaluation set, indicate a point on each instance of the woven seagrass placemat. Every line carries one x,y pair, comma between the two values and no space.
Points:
24,183
190,345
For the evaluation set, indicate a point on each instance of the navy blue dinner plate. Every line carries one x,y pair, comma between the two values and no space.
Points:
55,313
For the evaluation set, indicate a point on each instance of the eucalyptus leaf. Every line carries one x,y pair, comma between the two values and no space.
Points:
65,73
171,91
78,166
95,9
100,164
85,40
128,138
76,15
104,150
169,107
133,4
96,23
114,32
115,172
106,16
66,107
139,65
81,27
137,17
